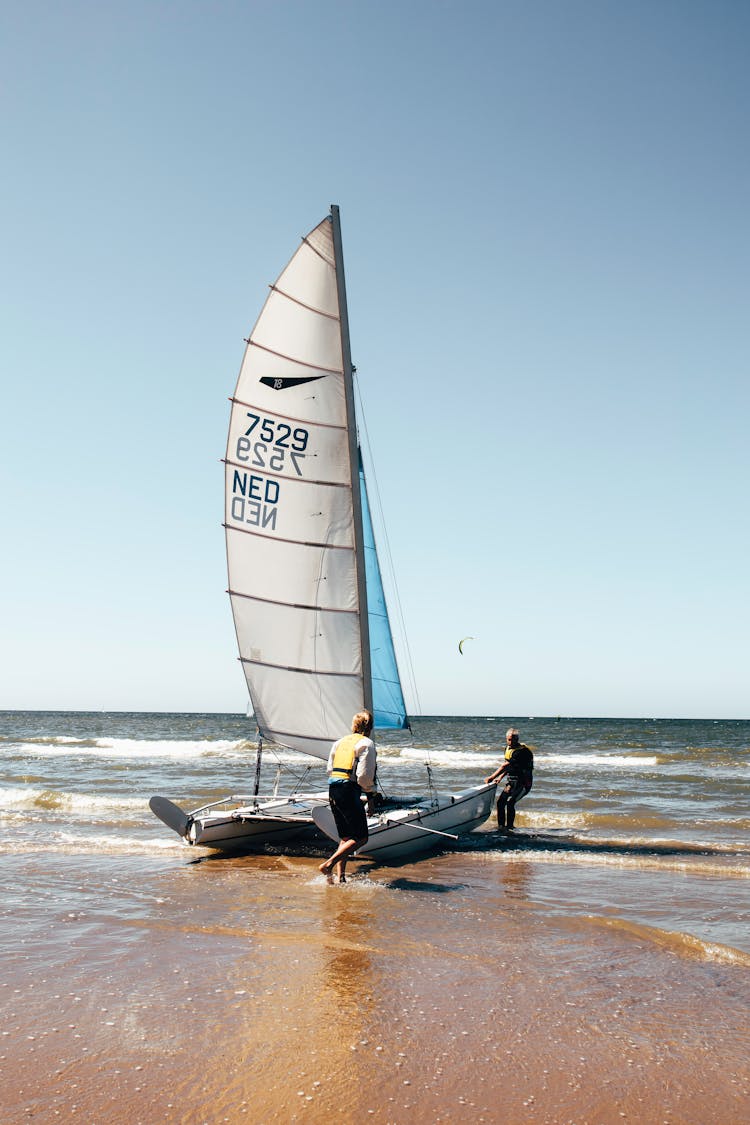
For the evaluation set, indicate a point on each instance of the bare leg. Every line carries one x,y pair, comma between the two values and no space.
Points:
345,848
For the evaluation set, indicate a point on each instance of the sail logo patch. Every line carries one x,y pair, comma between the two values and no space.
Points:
285,384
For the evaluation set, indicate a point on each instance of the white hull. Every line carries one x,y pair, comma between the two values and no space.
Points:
241,822
394,835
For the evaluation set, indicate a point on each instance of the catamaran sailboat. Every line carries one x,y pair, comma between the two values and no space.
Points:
304,580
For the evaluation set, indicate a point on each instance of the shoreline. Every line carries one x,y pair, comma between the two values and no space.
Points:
194,992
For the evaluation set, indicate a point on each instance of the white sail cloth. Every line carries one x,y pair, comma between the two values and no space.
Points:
289,517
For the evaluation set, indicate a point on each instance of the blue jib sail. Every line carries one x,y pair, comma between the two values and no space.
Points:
387,696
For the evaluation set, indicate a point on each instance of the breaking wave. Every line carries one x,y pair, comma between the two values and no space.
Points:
132,748
675,941
16,799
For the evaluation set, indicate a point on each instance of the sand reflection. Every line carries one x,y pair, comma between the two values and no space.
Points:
517,876
347,973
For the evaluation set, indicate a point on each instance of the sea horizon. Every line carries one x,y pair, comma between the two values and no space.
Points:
518,716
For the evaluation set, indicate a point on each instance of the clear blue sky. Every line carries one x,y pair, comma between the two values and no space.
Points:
545,218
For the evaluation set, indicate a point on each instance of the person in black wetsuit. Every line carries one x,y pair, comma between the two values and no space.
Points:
518,770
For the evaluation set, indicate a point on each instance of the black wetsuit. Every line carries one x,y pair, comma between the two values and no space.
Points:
518,781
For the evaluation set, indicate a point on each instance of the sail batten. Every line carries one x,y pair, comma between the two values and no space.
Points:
308,241
298,570
294,359
292,542
281,476
290,605
288,417
291,668
289,297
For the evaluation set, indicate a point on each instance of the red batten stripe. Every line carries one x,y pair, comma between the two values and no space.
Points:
303,671
299,362
283,476
321,255
295,542
288,417
296,301
290,605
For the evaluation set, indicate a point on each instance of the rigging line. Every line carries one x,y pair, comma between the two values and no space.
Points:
391,569
287,768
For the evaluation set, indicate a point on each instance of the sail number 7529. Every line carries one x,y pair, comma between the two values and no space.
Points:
269,444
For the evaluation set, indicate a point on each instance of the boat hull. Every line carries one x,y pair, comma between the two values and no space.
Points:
243,827
405,832
253,831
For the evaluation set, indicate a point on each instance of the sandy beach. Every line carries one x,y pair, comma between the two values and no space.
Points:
383,356
248,989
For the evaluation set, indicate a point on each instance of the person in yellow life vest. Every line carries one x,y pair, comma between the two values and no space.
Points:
351,768
518,770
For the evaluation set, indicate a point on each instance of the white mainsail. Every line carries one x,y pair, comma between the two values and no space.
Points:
296,580
304,580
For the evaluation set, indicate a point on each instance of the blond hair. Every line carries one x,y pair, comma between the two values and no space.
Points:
362,723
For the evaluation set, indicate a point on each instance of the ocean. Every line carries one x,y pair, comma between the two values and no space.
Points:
653,815
624,888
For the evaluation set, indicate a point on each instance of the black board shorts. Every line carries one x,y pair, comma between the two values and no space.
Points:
348,810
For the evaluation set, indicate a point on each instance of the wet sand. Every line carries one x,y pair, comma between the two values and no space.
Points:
247,989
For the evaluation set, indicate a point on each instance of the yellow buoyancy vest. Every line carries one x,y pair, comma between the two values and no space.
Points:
344,760
521,759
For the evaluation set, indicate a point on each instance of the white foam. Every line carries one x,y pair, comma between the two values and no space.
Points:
551,819
68,843
460,759
640,861
15,798
477,759
121,844
134,748
608,761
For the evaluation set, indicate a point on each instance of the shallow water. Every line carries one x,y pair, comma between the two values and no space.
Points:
589,968
187,989
642,821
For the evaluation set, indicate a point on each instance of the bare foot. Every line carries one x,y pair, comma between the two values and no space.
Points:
327,870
